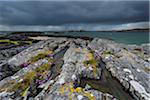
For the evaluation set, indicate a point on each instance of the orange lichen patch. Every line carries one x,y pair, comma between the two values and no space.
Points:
69,90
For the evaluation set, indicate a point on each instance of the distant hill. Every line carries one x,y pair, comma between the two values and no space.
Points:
134,30
36,32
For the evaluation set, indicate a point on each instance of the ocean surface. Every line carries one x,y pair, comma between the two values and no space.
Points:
121,37
137,38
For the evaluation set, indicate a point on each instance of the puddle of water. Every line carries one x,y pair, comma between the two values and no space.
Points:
108,84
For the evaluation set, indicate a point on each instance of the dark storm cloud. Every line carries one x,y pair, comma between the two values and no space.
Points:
57,13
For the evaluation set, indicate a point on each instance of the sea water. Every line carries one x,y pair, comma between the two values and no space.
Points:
121,37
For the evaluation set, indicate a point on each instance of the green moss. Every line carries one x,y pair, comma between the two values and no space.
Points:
9,41
93,63
91,51
37,57
15,42
108,53
29,78
43,68
90,62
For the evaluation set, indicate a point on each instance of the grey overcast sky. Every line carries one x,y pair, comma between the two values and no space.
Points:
62,13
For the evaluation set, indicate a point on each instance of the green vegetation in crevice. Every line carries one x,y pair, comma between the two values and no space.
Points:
15,42
10,42
40,56
91,51
37,57
40,74
92,61
22,86
108,52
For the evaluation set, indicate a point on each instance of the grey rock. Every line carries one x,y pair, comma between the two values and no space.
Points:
129,67
124,65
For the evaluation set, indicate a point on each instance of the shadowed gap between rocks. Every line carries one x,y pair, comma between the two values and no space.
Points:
56,67
58,58
107,84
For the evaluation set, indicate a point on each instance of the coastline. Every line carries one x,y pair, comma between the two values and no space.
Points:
117,57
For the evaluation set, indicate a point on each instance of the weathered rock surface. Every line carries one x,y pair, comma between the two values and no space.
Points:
66,85
132,70
5,54
34,73
13,64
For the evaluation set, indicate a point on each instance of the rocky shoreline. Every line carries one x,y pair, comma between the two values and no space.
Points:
52,69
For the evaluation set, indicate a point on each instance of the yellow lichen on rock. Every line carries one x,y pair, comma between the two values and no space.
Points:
25,92
90,96
69,90
90,56
91,61
49,52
